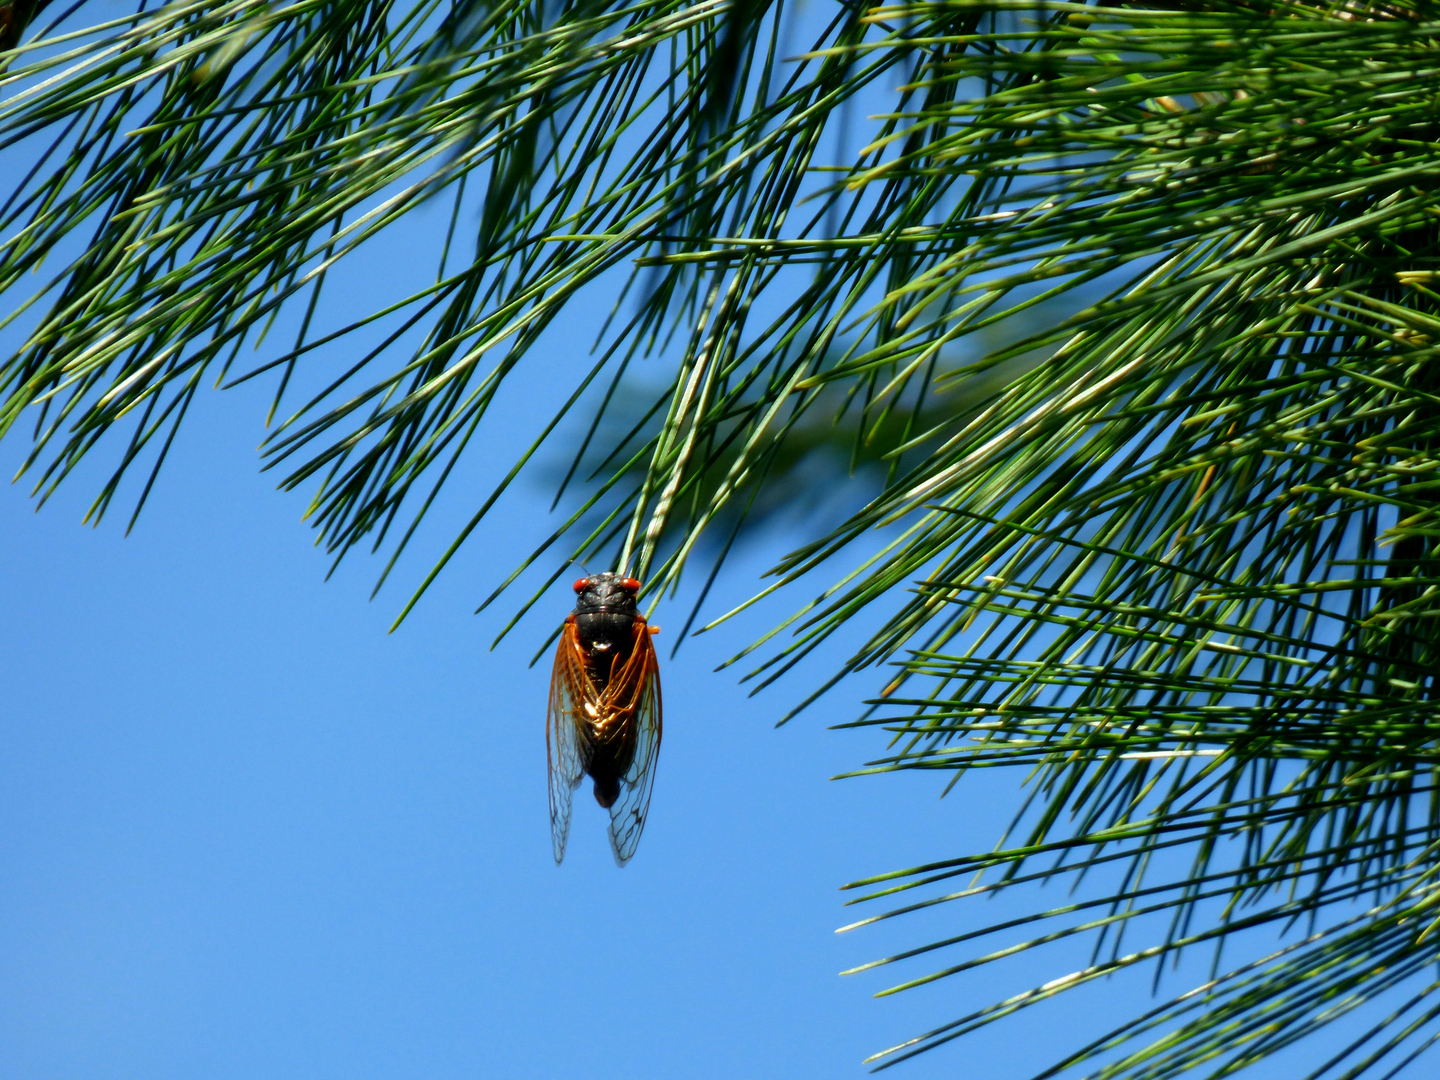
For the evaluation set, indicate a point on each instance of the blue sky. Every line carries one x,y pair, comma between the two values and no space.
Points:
247,833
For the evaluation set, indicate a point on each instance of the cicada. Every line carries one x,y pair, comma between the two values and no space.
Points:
604,717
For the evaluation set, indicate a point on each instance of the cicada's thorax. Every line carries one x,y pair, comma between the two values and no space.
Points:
605,621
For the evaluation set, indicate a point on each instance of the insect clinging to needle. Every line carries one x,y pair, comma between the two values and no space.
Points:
604,718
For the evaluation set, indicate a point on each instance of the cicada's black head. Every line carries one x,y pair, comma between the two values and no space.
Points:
607,593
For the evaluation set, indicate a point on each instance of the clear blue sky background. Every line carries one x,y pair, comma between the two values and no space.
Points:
245,833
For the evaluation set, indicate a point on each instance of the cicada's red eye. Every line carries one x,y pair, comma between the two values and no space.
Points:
630,585
580,585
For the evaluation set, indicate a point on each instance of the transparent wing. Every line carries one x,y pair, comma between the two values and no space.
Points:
639,686
565,744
